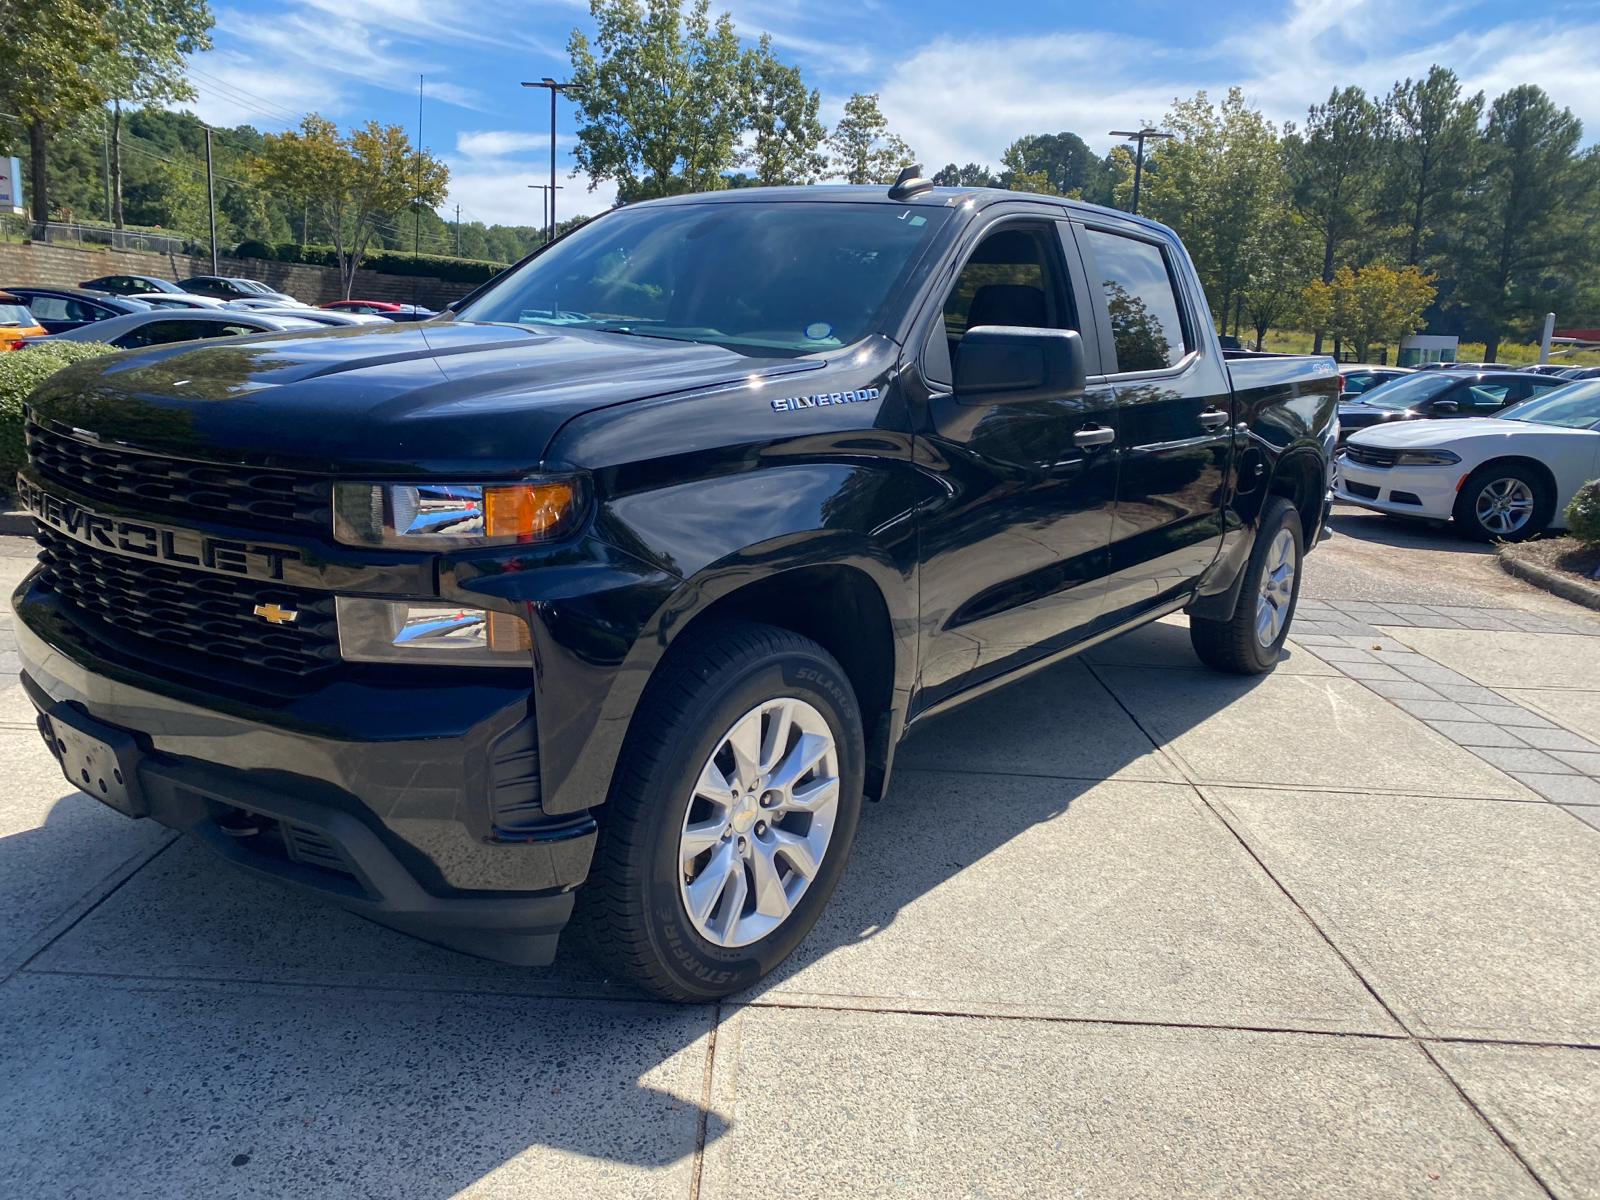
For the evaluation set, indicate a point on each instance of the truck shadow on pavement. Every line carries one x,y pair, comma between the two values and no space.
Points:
247,1039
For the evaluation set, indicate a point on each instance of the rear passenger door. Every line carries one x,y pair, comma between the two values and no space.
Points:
1174,417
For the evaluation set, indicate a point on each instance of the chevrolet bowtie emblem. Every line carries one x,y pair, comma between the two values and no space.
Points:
278,616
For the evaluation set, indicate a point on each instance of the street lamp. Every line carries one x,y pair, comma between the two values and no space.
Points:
554,87
1139,135
545,190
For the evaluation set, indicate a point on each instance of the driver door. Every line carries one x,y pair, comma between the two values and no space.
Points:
1014,557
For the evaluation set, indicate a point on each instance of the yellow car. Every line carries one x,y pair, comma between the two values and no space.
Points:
16,322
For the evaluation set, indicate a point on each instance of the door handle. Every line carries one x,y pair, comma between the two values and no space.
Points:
1094,435
1213,418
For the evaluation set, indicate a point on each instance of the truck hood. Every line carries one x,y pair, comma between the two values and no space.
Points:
398,400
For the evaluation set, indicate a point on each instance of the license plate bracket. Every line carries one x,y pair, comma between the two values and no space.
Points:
98,759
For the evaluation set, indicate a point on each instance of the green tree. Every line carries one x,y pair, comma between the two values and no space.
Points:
43,81
782,115
1333,164
971,175
354,182
1530,209
864,151
1432,149
662,103
1287,262
153,40
1061,162
1376,305
1217,183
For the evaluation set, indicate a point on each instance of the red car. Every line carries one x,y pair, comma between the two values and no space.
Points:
382,308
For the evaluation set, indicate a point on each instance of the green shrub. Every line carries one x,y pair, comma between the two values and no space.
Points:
20,372
1583,513
384,262
256,250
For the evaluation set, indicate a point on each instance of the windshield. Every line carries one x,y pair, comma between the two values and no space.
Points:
792,276
1410,390
15,314
1577,406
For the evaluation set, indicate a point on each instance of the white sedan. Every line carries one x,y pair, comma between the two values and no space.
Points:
1505,477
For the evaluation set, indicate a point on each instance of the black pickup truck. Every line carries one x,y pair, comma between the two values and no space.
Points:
620,585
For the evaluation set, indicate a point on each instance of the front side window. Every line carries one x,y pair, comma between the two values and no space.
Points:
795,277
1141,301
1409,390
1009,280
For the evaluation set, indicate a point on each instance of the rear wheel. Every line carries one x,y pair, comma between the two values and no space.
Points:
1248,642
733,812
1503,503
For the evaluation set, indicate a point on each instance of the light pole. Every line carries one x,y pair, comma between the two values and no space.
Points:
544,199
1139,135
554,87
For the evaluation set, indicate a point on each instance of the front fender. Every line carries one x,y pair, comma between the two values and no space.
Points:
673,552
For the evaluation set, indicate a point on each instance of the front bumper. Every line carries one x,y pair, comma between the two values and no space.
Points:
376,795
1427,492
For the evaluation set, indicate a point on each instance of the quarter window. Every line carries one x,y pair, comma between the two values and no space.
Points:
1145,320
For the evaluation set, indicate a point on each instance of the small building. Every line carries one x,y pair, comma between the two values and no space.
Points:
1422,348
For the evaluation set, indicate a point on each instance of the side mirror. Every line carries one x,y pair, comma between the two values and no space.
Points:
1008,364
1446,406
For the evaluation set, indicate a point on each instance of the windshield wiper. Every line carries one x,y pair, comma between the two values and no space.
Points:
632,332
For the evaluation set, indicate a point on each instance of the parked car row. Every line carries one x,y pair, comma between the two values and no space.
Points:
142,310
1501,471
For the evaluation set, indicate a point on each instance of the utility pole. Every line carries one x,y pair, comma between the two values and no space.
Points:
554,88
211,201
1139,135
458,231
105,131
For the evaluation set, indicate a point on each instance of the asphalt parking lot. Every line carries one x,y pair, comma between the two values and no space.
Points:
1128,928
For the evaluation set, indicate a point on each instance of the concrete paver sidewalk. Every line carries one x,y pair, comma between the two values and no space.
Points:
1129,928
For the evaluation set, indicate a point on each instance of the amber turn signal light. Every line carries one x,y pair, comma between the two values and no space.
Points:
527,512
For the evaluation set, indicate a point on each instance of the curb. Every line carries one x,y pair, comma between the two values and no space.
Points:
1586,594
16,524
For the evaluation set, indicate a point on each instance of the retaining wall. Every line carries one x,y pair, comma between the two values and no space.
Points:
54,265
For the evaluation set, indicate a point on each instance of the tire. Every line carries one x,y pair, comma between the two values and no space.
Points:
659,830
1248,643
1505,503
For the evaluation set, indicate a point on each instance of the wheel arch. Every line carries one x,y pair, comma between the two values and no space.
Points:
1301,477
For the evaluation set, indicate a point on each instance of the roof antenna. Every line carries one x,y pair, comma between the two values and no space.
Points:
910,183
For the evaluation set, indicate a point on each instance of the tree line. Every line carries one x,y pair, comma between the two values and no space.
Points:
1372,217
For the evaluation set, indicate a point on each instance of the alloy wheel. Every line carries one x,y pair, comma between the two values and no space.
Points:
1504,506
759,822
1277,589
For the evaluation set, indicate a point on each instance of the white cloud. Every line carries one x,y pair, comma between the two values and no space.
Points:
504,197
965,100
502,143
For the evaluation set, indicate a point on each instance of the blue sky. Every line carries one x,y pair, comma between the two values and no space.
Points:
958,80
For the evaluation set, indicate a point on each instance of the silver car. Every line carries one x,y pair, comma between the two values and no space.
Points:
161,326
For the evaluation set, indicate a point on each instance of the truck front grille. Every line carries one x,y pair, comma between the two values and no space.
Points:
192,611
155,483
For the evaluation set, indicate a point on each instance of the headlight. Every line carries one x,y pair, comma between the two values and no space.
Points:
430,632
1426,458
452,516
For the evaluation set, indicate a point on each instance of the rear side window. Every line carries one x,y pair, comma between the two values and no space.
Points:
1141,301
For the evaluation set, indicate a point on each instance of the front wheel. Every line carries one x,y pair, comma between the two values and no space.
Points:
732,815
1503,504
1248,642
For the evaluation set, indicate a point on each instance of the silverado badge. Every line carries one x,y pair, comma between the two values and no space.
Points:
792,402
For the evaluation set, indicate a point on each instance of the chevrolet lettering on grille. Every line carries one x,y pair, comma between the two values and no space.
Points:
163,543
